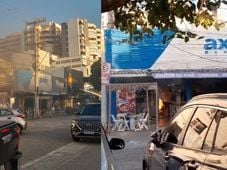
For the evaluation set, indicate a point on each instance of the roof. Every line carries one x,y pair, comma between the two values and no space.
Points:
212,99
196,58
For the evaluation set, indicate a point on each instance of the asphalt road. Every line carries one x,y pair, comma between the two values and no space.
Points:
47,144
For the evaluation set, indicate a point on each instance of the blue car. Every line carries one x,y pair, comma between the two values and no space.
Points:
87,122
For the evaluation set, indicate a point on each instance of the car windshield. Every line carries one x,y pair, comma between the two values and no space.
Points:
91,109
17,111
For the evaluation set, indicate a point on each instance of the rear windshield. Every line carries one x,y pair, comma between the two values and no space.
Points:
91,109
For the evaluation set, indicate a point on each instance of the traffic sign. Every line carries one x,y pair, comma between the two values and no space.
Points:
105,73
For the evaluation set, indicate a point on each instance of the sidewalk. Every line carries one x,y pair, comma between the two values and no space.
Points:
47,115
130,158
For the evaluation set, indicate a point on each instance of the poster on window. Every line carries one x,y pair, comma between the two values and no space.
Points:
126,101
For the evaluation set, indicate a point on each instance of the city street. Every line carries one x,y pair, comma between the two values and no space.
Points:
47,144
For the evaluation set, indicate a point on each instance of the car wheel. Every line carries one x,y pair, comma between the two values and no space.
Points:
75,138
145,163
145,167
2,167
6,166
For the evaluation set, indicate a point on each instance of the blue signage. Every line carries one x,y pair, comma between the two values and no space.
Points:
140,54
215,44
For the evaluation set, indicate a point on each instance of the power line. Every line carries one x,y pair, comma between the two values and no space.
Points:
13,8
197,55
10,11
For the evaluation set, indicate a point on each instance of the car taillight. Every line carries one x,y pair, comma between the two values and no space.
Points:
21,116
18,136
5,130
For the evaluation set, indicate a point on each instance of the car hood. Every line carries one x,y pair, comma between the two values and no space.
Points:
88,117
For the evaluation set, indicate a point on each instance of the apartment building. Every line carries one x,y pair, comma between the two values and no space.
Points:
82,45
11,43
46,35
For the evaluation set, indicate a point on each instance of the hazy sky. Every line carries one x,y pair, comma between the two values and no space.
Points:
14,13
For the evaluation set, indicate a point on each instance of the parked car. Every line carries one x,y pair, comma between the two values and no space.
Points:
8,114
19,113
87,122
22,115
196,137
9,144
107,160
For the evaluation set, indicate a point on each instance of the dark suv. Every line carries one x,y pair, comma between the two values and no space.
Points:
87,122
196,137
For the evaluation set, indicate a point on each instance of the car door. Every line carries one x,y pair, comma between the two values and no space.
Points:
190,152
171,137
217,159
198,139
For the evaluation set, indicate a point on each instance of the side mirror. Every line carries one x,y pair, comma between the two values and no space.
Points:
170,138
116,143
156,137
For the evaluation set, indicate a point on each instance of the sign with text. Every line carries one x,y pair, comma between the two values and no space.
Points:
190,75
105,73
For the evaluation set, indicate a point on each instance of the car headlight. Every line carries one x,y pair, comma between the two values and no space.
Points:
73,123
151,149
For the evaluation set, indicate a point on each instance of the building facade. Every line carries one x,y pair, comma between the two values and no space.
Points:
46,35
82,45
11,43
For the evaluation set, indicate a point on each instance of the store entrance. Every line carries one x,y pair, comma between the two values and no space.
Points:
133,100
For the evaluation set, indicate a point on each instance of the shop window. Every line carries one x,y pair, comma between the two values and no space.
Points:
178,124
198,127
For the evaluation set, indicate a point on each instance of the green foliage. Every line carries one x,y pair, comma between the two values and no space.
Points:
95,78
163,14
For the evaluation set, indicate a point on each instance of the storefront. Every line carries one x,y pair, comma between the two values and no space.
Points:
180,70
132,90
196,67
51,88
131,100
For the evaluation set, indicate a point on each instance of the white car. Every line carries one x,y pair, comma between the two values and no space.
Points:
8,114
107,159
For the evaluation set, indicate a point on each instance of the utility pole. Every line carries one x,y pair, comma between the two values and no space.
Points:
36,78
36,65
104,112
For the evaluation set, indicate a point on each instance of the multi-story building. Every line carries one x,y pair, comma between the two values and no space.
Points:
46,35
107,20
11,43
81,45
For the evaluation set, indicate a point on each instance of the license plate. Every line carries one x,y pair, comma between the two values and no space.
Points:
88,133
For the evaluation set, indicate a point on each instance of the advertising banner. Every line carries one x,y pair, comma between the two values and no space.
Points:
126,101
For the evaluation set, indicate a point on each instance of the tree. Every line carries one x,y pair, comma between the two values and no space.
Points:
108,5
163,15
95,78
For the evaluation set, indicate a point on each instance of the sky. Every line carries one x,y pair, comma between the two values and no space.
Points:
14,13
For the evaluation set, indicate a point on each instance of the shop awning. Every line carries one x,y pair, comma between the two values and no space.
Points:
198,58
